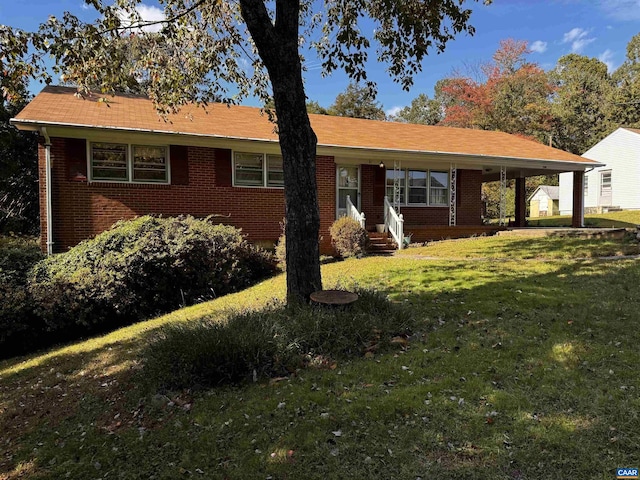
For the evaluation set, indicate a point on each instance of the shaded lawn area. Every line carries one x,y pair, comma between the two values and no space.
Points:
623,219
525,370
519,247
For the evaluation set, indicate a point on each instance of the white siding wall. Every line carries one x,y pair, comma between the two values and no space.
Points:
566,193
620,151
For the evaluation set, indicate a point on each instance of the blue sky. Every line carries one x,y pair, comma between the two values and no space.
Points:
596,28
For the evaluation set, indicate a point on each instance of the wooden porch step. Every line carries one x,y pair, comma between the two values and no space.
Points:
381,244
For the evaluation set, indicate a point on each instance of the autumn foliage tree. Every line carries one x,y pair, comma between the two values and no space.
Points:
512,95
209,50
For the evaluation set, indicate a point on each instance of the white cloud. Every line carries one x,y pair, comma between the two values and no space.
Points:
84,6
538,46
606,57
393,111
623,10
147,13
578,38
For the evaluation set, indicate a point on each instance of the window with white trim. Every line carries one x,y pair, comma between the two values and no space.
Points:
257,170
439,188
149,163
122,162
109,162
419,187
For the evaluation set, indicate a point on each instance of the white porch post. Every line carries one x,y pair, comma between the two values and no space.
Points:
503,195
453,174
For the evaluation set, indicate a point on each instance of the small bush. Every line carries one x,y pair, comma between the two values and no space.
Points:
270,342
348,237
140,268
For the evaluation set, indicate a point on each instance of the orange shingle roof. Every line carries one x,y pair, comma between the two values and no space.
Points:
58,105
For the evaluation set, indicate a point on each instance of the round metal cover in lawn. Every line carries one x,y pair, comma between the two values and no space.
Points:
334,297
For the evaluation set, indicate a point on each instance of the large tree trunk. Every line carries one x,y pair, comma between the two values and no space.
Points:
278,47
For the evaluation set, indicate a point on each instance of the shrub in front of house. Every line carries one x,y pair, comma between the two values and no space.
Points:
17,319
141,268
348,238
274,341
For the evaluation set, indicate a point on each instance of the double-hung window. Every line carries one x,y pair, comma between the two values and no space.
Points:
396,177
439,188
109,162
257,170
121,162
418,187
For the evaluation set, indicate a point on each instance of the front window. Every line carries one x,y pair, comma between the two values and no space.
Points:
248,169
391,176
109,162
418,187
439,187
275,174
257,170
122,162
149,163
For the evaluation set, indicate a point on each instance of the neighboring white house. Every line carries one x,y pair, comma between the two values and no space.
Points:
544,201
614,185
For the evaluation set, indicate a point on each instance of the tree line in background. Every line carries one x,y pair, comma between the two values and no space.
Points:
571,107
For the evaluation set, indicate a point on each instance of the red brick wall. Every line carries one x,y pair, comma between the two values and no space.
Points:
202,185
468,200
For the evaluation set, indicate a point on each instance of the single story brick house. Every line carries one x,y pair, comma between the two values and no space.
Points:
102,161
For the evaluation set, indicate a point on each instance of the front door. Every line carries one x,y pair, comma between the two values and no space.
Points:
348,183
605,196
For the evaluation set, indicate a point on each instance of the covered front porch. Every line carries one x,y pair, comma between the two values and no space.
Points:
418,204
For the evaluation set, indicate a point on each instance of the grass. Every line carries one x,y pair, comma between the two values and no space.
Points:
517,247
623,219
525,370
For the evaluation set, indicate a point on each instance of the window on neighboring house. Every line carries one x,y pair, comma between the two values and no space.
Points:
438,188
149,163
586,185
109,162
257,170
121,162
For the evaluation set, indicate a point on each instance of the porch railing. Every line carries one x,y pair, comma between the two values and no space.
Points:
394,223
353,212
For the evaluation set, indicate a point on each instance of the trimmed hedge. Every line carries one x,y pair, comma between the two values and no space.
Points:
141,268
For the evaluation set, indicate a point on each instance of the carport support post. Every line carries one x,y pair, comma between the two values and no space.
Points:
578,200
521,203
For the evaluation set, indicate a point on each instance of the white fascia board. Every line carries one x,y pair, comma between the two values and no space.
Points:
373,155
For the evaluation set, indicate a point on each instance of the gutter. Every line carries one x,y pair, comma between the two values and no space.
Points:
47,180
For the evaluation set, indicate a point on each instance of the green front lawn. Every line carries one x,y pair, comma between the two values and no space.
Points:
522,247
522,370
623,219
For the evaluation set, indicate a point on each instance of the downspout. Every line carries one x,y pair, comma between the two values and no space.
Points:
47,179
